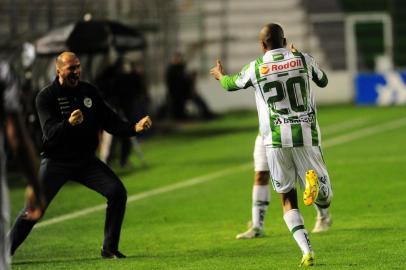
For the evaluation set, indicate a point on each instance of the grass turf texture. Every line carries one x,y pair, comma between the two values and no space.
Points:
195,227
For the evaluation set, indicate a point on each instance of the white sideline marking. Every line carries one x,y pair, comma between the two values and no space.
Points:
364,132
347,125
208,177
374,160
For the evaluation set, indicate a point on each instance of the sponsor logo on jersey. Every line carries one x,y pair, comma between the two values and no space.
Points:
286,65
87,102
277,57
296,120
283,66
264,70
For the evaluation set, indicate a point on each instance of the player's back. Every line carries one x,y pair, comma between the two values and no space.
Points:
285,82
283,91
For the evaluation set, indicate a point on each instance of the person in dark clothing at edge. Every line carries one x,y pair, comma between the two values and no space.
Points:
14,134
72,114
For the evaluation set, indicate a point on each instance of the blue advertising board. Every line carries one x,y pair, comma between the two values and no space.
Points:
381,89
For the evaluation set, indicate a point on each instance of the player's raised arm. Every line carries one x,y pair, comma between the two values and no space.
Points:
217,71
233,82
319,77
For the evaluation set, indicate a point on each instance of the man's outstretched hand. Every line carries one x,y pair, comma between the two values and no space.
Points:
144,124
218,71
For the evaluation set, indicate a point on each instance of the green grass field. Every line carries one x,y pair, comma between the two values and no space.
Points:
193,226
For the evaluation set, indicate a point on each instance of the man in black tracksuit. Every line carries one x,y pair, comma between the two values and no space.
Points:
72,114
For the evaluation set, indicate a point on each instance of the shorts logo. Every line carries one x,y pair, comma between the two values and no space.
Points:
277,184
324,191
323,179
88,102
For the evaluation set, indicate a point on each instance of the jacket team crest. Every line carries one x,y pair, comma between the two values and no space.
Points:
87,102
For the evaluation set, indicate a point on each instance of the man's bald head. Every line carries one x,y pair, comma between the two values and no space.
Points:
272,37
68,69
63,58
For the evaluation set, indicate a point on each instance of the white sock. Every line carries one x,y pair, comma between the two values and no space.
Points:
321,212
260,202
295,223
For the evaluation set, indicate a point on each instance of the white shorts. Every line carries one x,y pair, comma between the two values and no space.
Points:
289,166
260,160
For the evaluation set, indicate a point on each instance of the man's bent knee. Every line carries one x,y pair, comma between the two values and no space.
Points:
117,193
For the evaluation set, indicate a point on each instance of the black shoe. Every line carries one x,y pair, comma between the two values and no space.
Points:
106,254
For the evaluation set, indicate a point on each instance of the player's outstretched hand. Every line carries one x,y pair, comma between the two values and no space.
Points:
218,71
144,124
292,48
76,117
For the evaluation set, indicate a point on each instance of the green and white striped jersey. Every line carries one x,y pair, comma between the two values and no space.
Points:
285,101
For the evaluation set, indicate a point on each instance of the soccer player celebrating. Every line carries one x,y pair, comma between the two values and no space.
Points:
288,124
72,114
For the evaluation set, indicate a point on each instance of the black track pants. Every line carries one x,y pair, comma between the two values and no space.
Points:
90,172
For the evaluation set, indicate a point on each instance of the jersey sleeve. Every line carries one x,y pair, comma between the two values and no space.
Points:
237,81
317,75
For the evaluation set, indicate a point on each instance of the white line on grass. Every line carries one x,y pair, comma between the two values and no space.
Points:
367,160
347,125
208,177
364,132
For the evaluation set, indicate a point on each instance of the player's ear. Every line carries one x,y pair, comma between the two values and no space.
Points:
57,68
263,46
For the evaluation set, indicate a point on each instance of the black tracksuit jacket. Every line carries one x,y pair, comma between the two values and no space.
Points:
61,141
